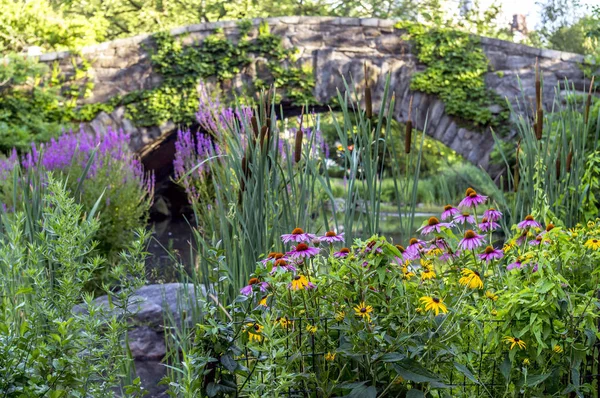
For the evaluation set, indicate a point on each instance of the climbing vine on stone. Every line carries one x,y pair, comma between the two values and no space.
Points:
183,67
456,67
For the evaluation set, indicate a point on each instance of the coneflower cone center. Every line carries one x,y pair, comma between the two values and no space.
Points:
412,241
301,247
447,207
484,220
549,227
469,234
330,234
529,218
466,214
345,250
469,191
401,249
473,195
278,256
433,221
297,231
253,281
280,263
489,250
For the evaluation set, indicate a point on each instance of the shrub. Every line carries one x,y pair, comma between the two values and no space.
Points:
47,348
91,167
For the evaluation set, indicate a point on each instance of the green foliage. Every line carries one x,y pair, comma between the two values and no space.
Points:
184,67
456,66
47,348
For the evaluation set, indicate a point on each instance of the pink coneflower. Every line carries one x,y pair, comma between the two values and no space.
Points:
273,256
449,211
297,235
247,290
344,252
284,265
332,237
492,214
448,255
529,222
407,255
517,264
464,218
490,253
535,268
472,199
471,240
488,225
415,245
302,250
433,224
521,238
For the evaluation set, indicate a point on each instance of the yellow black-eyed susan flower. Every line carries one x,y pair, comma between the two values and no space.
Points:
593,244
515,341
471,278
299,283
526,362
340,315
434,304
557,349
312,329
363,310
427,274
330,356
491,295
254,331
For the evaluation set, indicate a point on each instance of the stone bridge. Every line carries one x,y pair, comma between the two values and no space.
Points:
334,47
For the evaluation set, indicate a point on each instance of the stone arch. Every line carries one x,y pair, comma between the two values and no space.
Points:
336,48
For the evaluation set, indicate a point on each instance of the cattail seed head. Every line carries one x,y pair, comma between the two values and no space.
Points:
408,137
254,123
569,161
264,133
558,164
539,124
298,146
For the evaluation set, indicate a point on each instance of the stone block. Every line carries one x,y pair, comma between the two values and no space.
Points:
547,53
372,22
386,23
290,20
347,21
197,27
180,30
515,62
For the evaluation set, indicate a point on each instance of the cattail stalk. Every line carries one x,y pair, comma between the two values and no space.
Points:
569,160
409,127
558,164
516,175
588,102
539,125
298,145
368,100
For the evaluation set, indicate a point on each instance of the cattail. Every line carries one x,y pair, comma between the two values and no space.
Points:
558,168
588,102
516,176
245,172
539,124
538,85
298,145
264,133
368,101
569,160
409,126
254,123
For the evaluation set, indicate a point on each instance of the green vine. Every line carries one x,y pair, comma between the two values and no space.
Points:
456,67
183,67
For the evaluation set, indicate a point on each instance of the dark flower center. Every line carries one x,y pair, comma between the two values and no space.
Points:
344,250
470,191
297,278
272,255
412,241
529,218
517,340
469,234
476,273
297,231
594,240
256,327
280,263
278,256
330,234
491,209
433,221
484,220
447,207
473,195
301,247
400,248
549,227
253,281
489,250
466,215
436,300
363,310
538,238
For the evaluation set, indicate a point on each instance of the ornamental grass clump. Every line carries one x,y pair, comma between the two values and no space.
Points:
444,313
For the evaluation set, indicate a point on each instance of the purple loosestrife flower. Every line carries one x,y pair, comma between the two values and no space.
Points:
433,225
302,250
529,222
449,212
490,254
297,235
492,214
472,199
464,218
332,237
488,225
470,241
344,252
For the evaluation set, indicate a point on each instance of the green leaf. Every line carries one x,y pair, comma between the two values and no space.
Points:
465,371
534,380
414,393
363,392
505,368
392,357
229,363
411,370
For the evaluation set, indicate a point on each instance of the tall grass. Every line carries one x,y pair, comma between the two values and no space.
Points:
266,184
551,158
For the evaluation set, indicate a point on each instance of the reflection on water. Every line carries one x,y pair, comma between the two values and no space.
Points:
169,248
